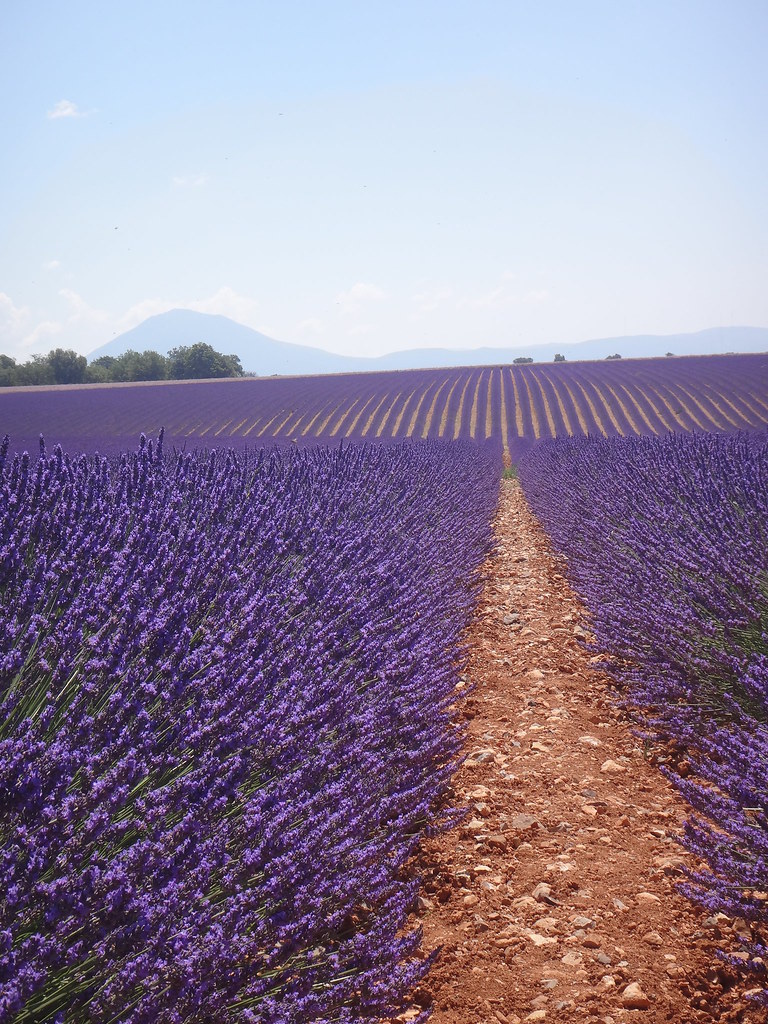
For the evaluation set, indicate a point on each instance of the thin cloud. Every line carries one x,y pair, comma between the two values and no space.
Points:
190,180
503,296
20,334
12,317
227,302
80,309
358,295
80,322
310,326
46,329
52,265
65,108
429,301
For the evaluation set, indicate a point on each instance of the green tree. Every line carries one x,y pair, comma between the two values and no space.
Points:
67,366
36,370
132,365
100,371
523,359
8,371
106,361
97,373
198,361
559,357
150,365
614,356
129,366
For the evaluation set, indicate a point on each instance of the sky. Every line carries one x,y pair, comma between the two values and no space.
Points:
371,176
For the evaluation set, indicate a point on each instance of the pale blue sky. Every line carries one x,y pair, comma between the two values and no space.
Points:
373,176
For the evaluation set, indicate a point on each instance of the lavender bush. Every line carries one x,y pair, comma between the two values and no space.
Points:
225,720
666,539
515,405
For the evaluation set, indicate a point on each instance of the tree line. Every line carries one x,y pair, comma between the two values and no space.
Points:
64,366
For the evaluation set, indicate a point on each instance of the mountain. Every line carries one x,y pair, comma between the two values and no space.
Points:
266,356
716,340
257,352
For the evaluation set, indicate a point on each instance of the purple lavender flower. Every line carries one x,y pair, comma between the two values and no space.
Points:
226,683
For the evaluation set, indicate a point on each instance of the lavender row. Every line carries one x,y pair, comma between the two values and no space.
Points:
515,405
226,683
667,542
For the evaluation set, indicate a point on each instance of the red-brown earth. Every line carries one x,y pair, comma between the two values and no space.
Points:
556,899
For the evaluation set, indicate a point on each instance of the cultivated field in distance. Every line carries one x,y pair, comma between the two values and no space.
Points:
516,405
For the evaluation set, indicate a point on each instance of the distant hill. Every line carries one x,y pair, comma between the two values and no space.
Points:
257,352
265,356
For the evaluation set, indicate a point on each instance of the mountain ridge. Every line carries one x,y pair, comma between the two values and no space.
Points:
265,356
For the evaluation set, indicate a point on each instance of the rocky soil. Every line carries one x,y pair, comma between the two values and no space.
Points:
556,900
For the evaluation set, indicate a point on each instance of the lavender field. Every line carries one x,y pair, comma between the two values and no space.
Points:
228,677
514,405
666,539
225,721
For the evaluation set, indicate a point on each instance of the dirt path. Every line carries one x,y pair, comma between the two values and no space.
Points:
555,901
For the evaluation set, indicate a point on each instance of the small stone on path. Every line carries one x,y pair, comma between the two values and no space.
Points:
633,998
